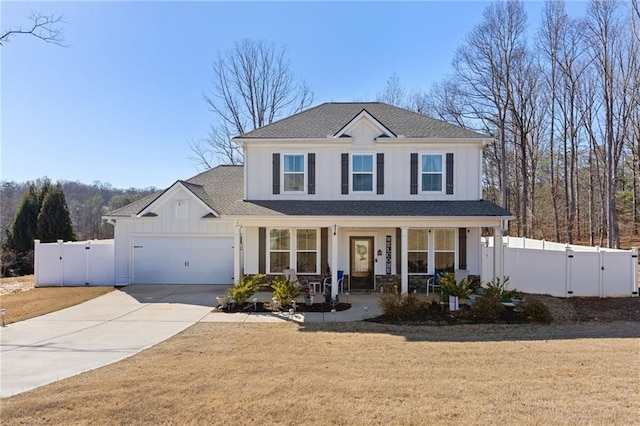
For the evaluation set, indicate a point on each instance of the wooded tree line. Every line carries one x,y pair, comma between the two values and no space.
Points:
563,110
67,210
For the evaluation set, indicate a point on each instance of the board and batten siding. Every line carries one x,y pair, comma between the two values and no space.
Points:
328,171
164,224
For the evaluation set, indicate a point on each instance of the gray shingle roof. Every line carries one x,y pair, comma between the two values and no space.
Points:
329,118
222,189
478,208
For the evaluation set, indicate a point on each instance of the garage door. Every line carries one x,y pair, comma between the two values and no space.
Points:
164,260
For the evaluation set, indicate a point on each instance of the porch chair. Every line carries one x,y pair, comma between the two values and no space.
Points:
326,284
290,275
432,283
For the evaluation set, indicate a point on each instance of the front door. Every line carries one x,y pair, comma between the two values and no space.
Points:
361,266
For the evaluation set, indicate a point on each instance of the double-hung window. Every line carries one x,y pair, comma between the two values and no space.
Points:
279,250
418,250
306,251
431,173
289,247
362,173
293,172
444,244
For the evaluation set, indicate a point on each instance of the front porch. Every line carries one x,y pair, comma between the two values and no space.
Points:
367,254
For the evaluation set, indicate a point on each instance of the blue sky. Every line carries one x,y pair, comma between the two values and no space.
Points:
121,102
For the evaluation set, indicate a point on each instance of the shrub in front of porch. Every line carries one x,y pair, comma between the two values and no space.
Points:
402,307
245,287
284,290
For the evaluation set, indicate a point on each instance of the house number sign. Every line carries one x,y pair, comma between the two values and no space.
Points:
388,247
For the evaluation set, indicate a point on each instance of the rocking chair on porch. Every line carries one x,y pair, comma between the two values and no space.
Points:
290,275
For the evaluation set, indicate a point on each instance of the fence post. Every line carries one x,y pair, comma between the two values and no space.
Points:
600,272
567,273
36,275
87,252
634,272
61,258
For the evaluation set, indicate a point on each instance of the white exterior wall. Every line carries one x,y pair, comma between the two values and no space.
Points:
397,177
165,224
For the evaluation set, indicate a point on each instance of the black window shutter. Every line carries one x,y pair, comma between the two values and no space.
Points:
450,173
262,250
276,173
414,173
345,173
380,172
311,178
324,250
462,248
398,251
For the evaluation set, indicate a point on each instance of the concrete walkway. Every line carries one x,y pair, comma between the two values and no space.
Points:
122,323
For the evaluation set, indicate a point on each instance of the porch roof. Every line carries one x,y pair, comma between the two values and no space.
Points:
477,208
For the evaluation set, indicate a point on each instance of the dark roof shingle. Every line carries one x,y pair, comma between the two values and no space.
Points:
329,118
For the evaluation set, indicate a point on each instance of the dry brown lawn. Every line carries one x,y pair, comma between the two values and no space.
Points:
360,373
22,301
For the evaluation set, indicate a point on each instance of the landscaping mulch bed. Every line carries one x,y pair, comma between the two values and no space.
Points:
264,307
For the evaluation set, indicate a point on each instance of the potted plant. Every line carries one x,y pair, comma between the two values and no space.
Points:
449,287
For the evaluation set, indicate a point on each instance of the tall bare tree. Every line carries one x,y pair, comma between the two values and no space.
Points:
606,41
253,85
48,28
394,93
483,65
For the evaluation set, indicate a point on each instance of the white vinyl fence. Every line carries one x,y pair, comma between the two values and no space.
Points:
74,263
563,270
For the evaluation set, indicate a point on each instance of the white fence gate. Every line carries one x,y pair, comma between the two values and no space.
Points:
563,270
74,263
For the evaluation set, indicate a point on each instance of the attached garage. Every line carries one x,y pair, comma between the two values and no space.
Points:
182,260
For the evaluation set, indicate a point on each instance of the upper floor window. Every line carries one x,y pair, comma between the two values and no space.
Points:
293,172
362,173
431,173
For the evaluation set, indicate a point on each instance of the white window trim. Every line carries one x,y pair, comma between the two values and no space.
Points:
293,251
283,190
181,206
431,251
373,173
317,252
443,173
428,250
268,249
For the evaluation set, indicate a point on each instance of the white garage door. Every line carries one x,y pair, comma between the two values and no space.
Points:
175,260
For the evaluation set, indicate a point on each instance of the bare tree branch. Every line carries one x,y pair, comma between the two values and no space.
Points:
47,28
253,86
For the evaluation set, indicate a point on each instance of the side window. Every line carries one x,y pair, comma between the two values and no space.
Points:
362,173
293,172
431,173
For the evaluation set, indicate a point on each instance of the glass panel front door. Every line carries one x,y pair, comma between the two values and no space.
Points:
361,266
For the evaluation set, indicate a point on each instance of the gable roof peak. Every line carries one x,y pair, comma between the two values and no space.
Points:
330,118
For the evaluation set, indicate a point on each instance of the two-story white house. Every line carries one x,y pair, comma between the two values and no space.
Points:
366,190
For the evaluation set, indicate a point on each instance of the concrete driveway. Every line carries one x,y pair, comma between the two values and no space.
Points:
122,323
107,329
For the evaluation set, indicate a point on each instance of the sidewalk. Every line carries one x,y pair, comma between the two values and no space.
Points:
363,306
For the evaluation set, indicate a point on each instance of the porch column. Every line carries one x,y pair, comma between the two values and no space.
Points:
404,261
237,253
498,264
334,261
